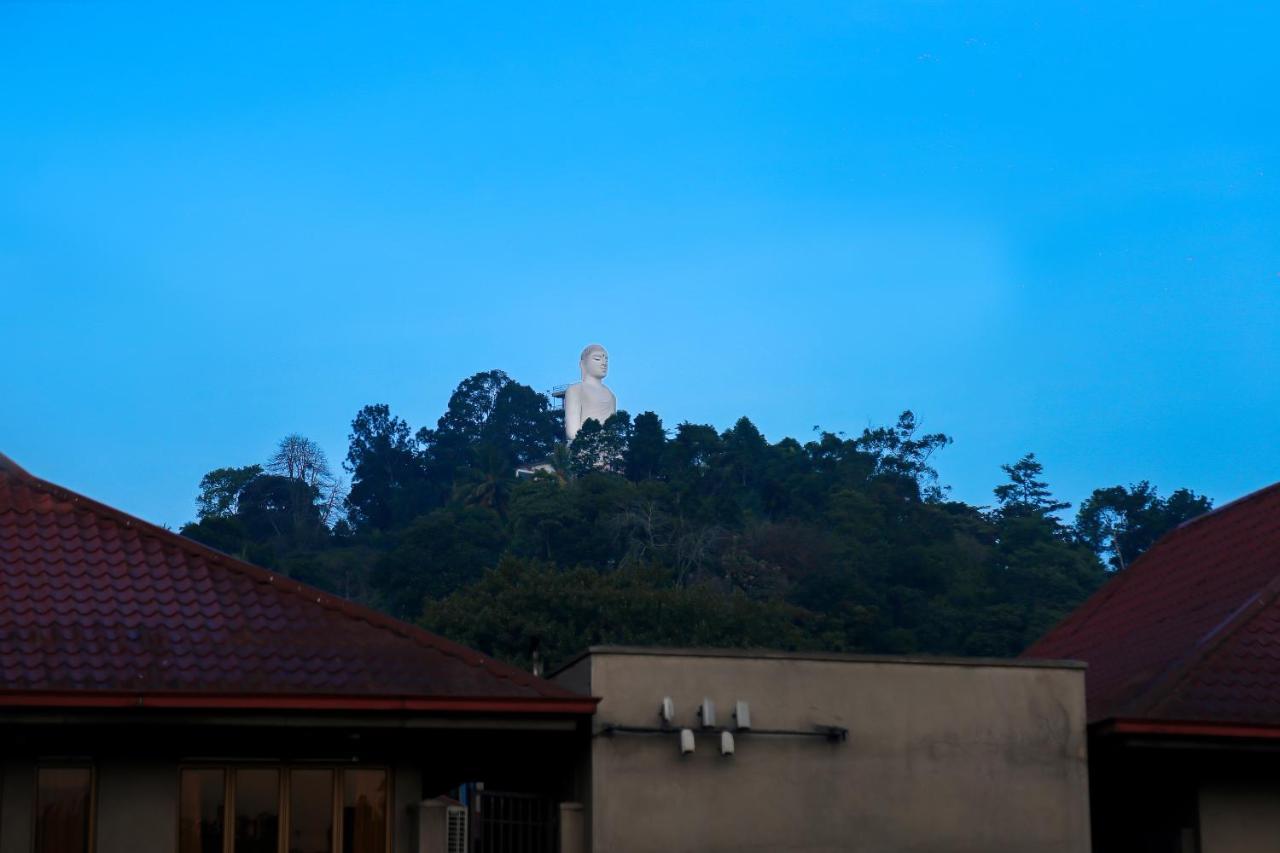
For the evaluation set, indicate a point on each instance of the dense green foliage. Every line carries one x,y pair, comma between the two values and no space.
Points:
688,536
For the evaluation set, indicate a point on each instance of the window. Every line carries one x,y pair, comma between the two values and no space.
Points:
200,820
64,797
298,809
257,811
364,811
311,811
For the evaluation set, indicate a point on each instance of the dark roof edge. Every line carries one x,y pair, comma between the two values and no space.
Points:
289,585
1112,726
571,704
7,464
835,657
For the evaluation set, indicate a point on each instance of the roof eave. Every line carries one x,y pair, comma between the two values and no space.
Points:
1184,728
549,705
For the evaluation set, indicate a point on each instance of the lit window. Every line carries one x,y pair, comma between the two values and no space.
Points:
63,796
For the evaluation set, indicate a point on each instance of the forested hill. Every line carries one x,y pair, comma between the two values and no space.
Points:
641,533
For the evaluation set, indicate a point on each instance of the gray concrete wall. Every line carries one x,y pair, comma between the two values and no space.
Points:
940,756
1240,817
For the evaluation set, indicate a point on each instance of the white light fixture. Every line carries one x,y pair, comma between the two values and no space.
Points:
726,743
708,714
667,711
742,715
686,741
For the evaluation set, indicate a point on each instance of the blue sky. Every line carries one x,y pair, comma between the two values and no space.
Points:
1044,227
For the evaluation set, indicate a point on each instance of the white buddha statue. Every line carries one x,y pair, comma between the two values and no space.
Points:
589,398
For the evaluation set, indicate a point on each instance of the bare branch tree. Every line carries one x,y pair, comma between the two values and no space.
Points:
301,460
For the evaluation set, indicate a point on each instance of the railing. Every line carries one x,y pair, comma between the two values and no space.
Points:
557,396
507,822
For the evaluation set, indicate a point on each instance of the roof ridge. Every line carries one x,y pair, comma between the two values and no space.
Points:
311,594
1165,685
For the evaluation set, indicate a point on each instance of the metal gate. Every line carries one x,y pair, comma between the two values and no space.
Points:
507,822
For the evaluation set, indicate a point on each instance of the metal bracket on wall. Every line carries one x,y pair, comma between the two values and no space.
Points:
835,734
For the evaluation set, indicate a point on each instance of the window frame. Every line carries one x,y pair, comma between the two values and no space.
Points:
285,781
91,840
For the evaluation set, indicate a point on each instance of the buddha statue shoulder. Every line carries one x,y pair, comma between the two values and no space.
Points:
589,398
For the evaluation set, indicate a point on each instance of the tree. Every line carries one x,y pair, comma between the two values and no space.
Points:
462,425
601,447
303,463
220,490
269,509
568,610
489,410
256,515
440,553
521,425
471,405
712,536
299,458
1120,523
1026,493
644,452
693,451
744,451
1041,573
388,484
544,519
223,532
487,482
900,453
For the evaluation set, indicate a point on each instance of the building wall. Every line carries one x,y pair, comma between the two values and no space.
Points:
940,756
1240,817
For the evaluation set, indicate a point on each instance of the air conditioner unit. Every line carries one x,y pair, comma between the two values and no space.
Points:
457,839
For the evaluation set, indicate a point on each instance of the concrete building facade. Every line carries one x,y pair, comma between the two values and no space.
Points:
842,753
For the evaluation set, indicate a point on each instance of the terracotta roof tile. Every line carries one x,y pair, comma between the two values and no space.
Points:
94,600
1191,630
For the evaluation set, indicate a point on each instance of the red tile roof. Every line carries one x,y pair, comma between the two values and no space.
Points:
100,608
1191,630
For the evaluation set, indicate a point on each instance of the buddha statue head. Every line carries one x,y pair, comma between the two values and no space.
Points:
594,362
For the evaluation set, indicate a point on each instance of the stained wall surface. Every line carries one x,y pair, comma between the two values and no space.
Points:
940,755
